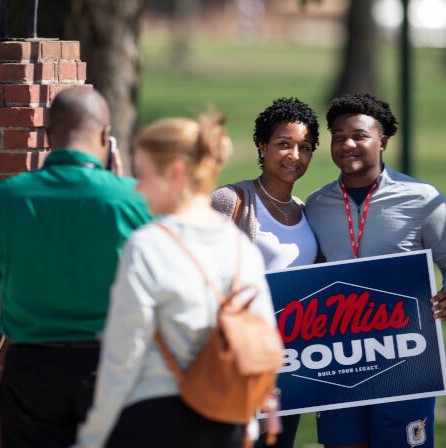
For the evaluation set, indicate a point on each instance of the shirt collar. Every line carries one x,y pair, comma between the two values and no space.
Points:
65,156
383,177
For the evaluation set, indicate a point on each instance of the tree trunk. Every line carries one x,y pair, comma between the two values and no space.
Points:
358,73
108,31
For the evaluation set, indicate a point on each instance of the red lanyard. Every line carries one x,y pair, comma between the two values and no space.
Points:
355,244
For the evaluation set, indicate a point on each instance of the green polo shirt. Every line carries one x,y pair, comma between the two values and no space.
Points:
61,231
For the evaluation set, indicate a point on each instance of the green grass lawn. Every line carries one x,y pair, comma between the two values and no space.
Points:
242,79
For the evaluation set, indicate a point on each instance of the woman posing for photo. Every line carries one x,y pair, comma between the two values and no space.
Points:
286,134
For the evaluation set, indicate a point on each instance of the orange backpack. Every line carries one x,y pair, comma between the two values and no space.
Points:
234,374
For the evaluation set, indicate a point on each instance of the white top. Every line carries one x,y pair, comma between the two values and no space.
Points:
158,286
284,246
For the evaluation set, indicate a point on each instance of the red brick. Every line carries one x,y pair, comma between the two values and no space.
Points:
81,71
26,94
50,50
35,52
13,72
57,66
10,162
24,139
43,50
67,71
44,71
12,51
23,116
54,89
21,161
71,50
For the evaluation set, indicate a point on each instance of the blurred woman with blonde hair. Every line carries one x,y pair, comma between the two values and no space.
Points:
159,288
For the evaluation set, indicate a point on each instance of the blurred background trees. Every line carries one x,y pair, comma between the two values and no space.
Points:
358,72
110,31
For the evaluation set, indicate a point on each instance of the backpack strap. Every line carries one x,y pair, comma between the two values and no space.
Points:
236,280
165,351
168,357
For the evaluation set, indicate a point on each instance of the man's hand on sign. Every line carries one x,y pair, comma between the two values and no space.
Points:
439,307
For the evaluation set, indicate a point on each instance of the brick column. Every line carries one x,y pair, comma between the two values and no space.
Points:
32,72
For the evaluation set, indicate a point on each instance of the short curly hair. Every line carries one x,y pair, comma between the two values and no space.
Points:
363,104
284,110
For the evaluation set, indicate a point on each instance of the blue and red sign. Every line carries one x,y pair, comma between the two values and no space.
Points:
358,332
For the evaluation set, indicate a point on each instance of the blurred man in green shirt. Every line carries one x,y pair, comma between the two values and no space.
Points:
61,231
